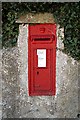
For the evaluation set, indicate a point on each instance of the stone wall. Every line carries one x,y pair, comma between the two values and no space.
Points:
15,99
65,102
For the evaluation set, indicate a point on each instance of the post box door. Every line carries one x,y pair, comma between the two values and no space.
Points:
42,59
42,71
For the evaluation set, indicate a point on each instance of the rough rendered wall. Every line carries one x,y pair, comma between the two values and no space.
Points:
17,103
65,103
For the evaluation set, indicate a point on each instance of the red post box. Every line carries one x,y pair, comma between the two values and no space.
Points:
42,59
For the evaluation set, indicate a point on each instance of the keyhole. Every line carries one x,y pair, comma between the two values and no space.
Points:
78,115
37,72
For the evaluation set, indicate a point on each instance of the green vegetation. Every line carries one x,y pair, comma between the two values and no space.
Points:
66,14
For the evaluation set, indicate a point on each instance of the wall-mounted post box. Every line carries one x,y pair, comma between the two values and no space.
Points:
42,59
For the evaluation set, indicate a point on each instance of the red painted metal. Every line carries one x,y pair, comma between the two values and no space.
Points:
42,80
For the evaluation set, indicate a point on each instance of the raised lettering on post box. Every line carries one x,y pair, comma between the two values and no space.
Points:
42,59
